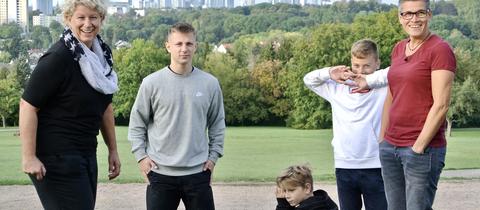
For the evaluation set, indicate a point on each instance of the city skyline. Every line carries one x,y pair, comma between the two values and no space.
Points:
239,2
14,11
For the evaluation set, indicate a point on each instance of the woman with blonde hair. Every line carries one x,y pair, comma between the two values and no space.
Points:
68,99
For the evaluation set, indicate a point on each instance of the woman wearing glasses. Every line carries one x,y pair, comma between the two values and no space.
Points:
420,78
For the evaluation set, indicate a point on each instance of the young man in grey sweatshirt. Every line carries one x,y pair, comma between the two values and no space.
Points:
177,128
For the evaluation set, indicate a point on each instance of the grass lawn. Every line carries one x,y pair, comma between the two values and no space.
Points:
251,154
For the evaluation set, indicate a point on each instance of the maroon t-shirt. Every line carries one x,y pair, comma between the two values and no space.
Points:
411,87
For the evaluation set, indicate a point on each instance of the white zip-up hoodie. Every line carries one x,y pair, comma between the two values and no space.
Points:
356,118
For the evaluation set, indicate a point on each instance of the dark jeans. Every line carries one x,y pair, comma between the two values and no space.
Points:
352,184
411,179
70,182
164,192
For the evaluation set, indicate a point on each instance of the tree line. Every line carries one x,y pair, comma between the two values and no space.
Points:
271,47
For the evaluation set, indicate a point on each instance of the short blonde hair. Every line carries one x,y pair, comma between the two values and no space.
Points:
70,5
295,176
364,48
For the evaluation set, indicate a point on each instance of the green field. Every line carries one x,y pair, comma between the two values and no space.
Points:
251,154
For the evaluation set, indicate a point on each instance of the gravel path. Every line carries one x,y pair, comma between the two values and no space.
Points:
460,194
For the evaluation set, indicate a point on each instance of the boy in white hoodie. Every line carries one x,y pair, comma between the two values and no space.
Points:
356,120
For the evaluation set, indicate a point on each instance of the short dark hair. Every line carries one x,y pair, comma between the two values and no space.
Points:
363,48
182,28
427,2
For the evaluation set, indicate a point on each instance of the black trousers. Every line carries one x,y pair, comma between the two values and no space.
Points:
70,182
164,192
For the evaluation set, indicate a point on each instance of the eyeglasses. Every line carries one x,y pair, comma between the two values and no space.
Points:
420,14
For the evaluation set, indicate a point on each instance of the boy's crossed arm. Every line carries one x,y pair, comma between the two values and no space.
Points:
377,79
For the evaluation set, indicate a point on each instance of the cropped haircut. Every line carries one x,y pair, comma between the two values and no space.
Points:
70,5
295,176
427,3
363,48
182,28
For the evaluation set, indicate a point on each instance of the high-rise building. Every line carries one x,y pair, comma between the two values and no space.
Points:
285,1
3,11
44,20
44,6
137,4
14,11
150,4
165,3
229,3
22,13
179,4
118,7
197,3
215,3
311,2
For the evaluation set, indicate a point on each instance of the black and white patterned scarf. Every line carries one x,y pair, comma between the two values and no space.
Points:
96,63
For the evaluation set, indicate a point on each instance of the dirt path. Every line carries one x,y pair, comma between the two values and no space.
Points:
451,194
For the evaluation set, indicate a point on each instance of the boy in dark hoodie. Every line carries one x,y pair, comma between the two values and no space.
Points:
295,191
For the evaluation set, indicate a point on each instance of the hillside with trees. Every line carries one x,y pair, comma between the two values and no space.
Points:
269,49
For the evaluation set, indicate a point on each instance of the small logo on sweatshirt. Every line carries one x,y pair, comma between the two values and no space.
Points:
198,94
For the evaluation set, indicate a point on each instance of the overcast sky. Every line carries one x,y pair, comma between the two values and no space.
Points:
390,1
